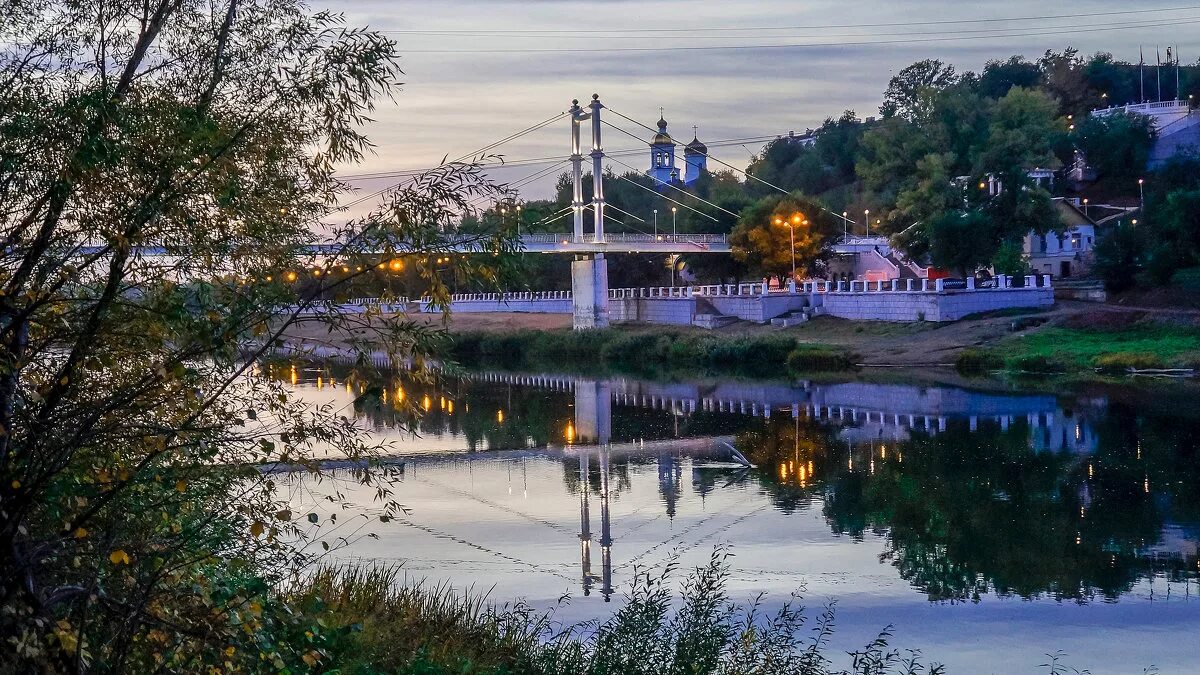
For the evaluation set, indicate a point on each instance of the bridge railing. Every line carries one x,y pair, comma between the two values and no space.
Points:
518,296
709,291
624,238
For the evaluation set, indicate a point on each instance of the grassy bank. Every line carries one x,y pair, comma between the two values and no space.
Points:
380,625
639,350
1090,344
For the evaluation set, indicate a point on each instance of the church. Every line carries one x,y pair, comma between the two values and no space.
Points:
662,158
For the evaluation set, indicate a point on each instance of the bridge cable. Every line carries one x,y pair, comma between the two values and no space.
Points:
633,182
473,153
520,182
399,173
725,164
663,182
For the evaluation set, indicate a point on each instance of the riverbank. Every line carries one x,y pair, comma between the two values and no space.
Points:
1071,337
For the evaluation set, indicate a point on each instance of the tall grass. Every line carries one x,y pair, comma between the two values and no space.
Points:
638,349
393,627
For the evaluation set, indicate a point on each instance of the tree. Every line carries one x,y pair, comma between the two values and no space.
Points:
137,531
1118,147
1064,77
763,239
1119,256
998,77
908,91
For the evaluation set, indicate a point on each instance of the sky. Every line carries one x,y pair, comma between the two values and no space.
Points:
477,71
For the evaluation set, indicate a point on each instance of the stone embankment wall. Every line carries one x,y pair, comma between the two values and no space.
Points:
896,300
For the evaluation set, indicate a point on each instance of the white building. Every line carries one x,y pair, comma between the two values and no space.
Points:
1067,252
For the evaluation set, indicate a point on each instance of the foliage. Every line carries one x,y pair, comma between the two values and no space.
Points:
779,233
1010,259
410,629
977,361
1117,146
908,92
1122,362
635,349
1120,254
815,358
137,532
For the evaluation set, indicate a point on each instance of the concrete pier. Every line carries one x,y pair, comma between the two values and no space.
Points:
589,291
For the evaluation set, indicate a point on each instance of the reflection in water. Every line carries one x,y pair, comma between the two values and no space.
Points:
585,525
972,493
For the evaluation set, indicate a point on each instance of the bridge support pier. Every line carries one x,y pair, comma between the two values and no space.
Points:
589,291
593,411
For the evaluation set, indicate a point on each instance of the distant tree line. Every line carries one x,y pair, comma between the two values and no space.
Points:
943,170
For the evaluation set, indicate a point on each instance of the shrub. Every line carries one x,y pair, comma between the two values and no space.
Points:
976,361
813,359
385,626
1122,362
1038,364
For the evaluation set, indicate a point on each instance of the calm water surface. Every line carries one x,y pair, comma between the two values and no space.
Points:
990,528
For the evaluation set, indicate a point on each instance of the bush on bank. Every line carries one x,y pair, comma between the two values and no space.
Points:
384,625
638,349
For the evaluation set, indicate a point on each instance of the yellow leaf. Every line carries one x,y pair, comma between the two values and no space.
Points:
256,529
118,556
181,485
80,532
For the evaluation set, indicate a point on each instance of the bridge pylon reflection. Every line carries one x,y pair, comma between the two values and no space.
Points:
585,524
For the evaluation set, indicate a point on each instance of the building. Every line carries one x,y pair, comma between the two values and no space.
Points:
662,158
1067,252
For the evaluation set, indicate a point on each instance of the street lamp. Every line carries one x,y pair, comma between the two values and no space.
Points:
518,220
673,211
845,226
867,220
656,223
1142,193
792,237
1085,202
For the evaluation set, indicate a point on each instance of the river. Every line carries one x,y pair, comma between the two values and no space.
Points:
989,527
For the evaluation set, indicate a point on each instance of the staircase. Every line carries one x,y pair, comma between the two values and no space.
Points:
906,272
707,315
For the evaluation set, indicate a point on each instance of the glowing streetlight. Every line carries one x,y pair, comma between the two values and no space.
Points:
867,220
655,223
1142,193
673,211
792,237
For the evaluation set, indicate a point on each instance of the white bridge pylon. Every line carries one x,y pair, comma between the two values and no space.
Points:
589,270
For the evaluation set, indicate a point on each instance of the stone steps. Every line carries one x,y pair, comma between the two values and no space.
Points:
713,320
797,317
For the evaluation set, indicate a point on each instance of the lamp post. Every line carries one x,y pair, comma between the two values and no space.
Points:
1085,202
673,212
1142,194
792,236
845,226
867,220
656,223
518,220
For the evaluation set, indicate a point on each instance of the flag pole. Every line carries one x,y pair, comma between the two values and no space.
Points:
1158,70
1141,75
1178,95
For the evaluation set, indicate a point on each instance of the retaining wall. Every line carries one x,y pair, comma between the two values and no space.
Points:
669,311
928,306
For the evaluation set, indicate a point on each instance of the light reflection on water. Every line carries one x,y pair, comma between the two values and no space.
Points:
990,528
